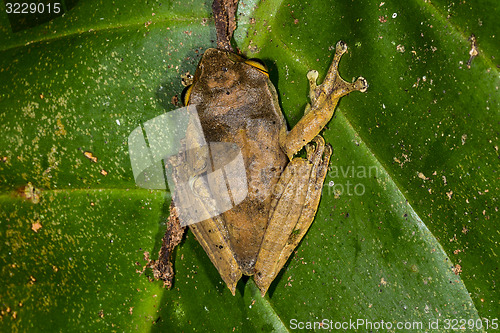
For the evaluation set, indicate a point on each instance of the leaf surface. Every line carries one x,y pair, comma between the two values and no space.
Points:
407,225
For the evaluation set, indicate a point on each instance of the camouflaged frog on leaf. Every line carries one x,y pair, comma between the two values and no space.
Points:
237,103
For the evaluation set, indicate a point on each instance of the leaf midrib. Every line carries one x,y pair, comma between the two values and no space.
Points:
278,324
43,192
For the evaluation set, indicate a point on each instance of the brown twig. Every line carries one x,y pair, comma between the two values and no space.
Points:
225,22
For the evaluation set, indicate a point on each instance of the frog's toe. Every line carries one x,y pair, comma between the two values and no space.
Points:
319,156
341,47
361,84
315,149
312,75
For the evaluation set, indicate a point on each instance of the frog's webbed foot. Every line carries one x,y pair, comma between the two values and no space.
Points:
324,98
333,86
294,205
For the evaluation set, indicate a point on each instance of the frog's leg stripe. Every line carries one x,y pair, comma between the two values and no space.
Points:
218,250
292,211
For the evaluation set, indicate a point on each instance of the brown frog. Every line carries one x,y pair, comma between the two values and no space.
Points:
237,103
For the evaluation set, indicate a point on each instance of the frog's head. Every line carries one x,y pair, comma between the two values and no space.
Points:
220,73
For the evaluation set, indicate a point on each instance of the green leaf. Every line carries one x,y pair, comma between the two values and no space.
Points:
407,225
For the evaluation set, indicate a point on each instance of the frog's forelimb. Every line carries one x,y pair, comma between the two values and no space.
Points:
324,98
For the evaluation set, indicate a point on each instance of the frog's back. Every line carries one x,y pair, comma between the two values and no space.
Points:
237,103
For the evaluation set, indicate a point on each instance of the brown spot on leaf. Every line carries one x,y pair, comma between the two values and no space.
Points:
457,269
29,192
35,226
422,176
175,100
90,156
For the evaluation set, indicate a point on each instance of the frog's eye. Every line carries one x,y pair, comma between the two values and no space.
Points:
186,93
259,64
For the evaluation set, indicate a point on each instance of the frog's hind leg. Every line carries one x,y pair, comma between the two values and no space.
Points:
189,167
211,235
293,208
212,232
